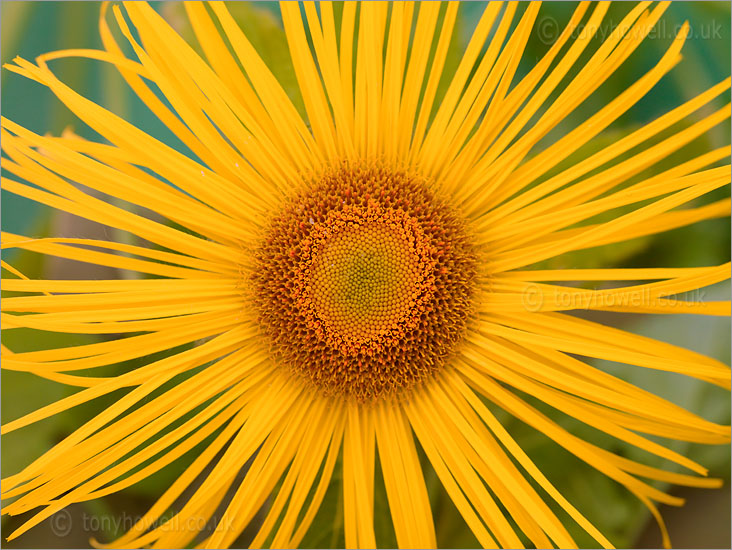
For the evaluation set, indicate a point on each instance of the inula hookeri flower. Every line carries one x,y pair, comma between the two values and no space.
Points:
363,284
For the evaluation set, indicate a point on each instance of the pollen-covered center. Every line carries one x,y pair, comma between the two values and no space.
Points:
363,273
365,279
363,283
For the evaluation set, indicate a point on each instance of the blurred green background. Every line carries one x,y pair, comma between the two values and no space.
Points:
32,28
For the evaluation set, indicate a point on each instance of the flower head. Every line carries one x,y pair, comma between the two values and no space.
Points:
331,289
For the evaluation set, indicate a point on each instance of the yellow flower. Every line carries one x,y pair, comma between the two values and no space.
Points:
359,278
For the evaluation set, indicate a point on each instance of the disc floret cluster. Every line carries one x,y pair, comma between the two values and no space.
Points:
368,281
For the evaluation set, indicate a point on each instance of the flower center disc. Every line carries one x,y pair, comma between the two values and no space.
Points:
363,282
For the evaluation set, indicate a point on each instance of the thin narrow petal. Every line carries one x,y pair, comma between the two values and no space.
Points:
405,487
358,474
